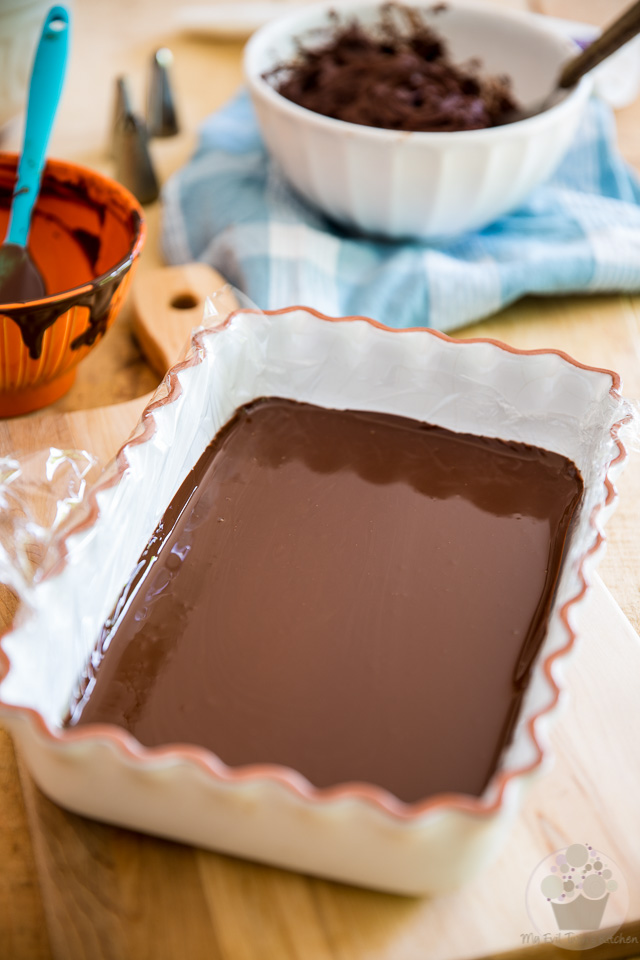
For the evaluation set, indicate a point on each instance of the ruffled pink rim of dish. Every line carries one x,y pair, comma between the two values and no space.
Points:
287,777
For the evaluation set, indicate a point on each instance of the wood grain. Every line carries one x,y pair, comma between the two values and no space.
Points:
22,929
168,303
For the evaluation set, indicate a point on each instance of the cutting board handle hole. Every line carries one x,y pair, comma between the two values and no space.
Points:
184,301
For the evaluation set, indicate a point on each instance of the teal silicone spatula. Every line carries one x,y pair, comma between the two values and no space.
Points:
20,279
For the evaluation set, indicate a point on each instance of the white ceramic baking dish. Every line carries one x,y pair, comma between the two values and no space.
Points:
353,832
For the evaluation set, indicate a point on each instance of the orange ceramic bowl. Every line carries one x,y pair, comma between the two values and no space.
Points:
86,234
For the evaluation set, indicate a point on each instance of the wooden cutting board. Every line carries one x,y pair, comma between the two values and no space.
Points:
103,892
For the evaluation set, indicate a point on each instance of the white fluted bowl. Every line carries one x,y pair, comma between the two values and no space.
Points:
427,185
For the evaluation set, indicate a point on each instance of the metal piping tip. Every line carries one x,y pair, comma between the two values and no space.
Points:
162,120
133,164
121,109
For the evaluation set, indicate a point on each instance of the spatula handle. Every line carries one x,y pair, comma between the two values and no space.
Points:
620,32
47,77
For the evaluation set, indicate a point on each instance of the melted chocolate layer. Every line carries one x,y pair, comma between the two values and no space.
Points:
357,596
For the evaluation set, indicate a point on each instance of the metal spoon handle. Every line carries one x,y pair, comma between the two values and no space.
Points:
47,77
615,36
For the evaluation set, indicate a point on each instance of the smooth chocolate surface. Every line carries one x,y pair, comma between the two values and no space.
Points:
396,75
357,596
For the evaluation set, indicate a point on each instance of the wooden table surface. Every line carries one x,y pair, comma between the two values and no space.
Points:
36,922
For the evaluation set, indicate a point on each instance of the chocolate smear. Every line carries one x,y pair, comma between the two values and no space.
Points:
96,294
396,75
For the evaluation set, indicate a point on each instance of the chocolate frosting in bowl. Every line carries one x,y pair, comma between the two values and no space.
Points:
356,596
397,75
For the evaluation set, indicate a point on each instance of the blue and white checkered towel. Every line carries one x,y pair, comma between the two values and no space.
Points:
230,207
